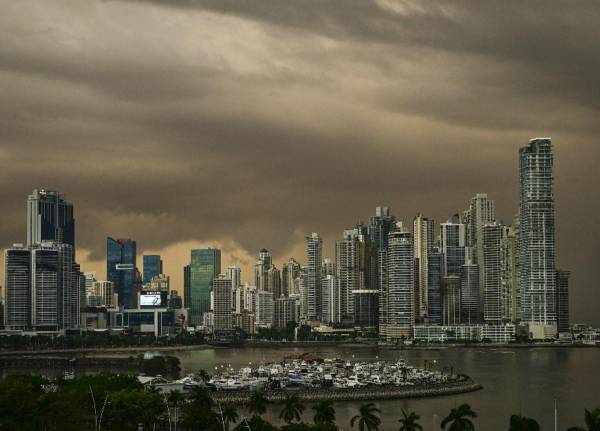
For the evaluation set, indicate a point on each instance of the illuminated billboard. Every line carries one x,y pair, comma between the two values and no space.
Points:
153,299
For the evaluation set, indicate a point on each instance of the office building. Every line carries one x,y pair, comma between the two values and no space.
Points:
348,270
205,266
121,268
331,301
470,300
480,213
104,294
536,242
453,242
234,273
223,303
186,286
153,266
264,308
314,246
423,234
494,295
17,285
50,218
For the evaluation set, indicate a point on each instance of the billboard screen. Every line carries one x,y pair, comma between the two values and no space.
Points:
153,299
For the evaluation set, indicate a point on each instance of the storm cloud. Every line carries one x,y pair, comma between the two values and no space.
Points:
251,124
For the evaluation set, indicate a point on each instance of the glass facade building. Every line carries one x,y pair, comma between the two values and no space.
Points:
153,266
50,218
121,263
205,266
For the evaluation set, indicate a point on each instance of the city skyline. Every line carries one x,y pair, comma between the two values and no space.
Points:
289,125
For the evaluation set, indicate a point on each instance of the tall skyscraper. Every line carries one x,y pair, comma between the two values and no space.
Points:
331,312
470,301
285,310
289,273
453,242
451,300
562,300
205,266
121,268
496,298
481,212
400,306
186,286
366,308
223,303
266,276
234,273
153,266
537,272
314,246
423,234
435,273
348,270
49,218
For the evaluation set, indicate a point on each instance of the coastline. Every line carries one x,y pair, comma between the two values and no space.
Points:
289,344
355,394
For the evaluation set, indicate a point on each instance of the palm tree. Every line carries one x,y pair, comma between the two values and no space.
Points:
292,409
257,404
203,375
522,423
229,415
368,418
459,419
592,421
409,421
324,412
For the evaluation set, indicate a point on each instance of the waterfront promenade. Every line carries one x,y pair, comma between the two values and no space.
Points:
370,393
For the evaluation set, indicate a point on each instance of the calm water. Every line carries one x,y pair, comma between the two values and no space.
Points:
514,380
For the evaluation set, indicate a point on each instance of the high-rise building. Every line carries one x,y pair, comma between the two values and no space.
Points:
234,273
186,286
223,303
508,275
453,242
400,305
328,267
50,218
289,273
537,272
285,311
470,301
494,295
42,291
205,266
153,266
423,234
480,213
451,300
17,285
159,283
331,310
314,246
380,226
562,300
121,267
348,270
266,276
103,291
300,285
366,308
435,273
264,308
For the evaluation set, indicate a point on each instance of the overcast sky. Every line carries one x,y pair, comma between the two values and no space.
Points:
249,124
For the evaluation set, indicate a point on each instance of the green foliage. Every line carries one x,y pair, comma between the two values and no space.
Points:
324,412
459,419
522,423
409,421
292,409
257,404
164,365
367,419
592,421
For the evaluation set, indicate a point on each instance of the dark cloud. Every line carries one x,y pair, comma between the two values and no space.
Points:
250,124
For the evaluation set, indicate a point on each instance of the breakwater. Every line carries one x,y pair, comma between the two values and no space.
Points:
370,393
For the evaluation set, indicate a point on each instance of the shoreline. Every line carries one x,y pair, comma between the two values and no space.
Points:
276,345
354,394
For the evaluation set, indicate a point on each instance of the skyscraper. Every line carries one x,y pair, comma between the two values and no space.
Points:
17,285
347,257
205,266
50,218
234,273
400,306
121,268
495,297
423,234
453,242
481,212
153,266
186,286
223,303
537,272
314,246
470,301
289,273
331,311
435,273
451,300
